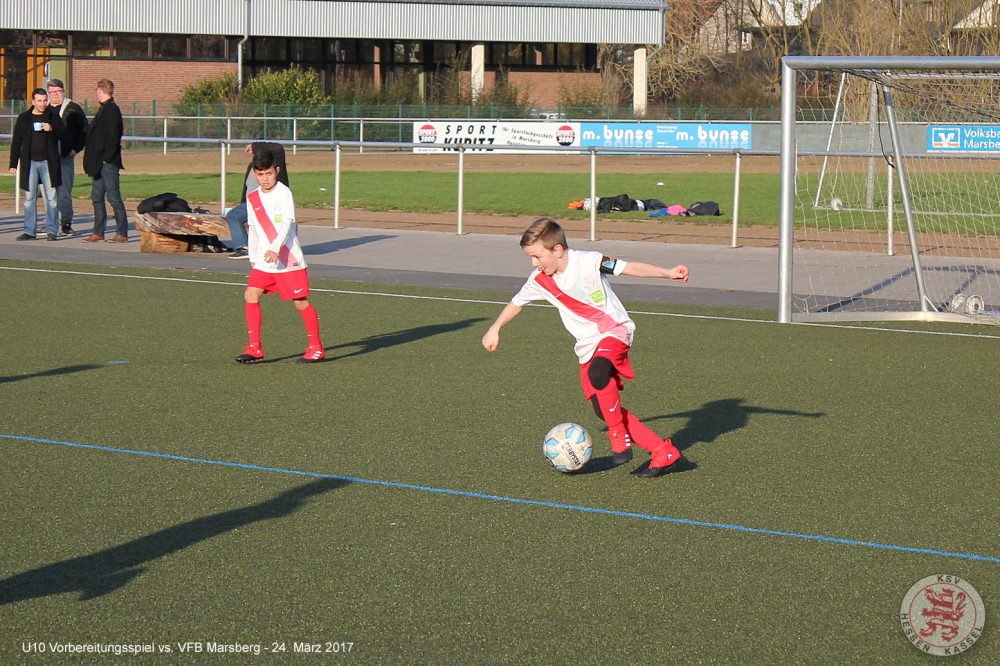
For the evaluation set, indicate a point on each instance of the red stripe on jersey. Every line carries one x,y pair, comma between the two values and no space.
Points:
605,322
265,222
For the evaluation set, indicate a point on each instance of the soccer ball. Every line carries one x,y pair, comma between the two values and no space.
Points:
836,203
568,447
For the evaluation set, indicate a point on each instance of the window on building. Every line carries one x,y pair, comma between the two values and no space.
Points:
208,47
445,52
270,48
131,46
342,50
407,52
170,46
571,56
306,50
91,44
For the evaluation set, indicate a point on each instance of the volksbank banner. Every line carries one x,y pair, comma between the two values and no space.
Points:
667,135
963,138
479,135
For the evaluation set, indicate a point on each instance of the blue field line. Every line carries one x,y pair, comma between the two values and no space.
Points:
515,500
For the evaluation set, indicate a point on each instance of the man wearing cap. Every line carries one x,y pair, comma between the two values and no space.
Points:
75,121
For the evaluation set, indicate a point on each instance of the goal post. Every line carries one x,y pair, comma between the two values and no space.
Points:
845,253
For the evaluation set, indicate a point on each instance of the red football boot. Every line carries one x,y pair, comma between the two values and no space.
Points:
314,354
251,354
665,459
621,446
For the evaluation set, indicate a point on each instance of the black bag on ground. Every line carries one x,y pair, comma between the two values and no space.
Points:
168,202
703,208
622,202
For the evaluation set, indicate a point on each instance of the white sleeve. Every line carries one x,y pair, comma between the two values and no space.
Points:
529,292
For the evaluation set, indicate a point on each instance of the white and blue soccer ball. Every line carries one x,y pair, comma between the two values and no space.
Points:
568,447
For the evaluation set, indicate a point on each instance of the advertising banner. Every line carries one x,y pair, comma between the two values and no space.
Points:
478,135
963,139
723,136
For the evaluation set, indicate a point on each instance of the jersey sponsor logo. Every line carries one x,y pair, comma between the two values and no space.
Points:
597,296
942,615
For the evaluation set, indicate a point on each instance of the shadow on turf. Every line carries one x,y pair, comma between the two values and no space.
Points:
50,373
108,570
716,418
335,245
385,340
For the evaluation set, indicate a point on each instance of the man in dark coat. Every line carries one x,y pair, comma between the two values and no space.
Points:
102,160
35,143
76,125
237,217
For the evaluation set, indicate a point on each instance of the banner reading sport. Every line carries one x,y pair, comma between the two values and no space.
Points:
479,135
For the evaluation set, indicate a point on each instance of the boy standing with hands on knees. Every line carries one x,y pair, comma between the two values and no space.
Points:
276,260
575,283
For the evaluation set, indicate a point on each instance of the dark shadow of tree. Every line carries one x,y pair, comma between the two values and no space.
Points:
716,418
108,570
70,369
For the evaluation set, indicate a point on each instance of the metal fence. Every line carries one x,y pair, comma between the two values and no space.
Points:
223,146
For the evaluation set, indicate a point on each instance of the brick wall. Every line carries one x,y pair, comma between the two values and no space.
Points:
543,87
141,81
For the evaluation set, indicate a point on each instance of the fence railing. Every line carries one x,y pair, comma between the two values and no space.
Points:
223,146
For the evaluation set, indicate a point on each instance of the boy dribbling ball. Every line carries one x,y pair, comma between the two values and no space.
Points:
276,260
575,283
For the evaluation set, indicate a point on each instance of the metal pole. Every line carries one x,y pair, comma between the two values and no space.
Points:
336,189
361,138
736,199
786,224
229,133
872,134
890,205
593,194
295,135
222,178
461,186
164,134
904,193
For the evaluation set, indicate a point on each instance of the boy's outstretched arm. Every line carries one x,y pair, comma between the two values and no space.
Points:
639,269
492,337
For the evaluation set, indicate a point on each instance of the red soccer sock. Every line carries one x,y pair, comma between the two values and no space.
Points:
253,323
639,433
311,320
609,402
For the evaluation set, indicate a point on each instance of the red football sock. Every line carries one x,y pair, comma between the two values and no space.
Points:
639,433
253,323
609,401
311,320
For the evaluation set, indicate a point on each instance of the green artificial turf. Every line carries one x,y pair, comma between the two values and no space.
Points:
846,433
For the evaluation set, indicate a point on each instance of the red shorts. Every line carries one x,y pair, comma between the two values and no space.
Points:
615,351
291,285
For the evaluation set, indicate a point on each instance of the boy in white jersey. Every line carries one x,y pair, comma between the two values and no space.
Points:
276,259
575,283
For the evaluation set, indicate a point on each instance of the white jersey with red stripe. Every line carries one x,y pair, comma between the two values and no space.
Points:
589,309
271,226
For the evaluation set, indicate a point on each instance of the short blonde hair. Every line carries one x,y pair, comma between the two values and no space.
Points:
546,231
107,85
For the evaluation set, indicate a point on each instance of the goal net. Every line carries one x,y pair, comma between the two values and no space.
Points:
891,208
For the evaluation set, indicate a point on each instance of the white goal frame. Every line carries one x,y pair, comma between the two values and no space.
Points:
791,66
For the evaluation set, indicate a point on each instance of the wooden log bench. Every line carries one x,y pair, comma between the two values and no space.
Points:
174,233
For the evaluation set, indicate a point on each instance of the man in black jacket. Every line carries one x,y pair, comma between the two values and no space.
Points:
35,143
76,125
102,160
237,216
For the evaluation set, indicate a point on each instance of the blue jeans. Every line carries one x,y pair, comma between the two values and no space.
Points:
107,185
64,193
236,218
39,172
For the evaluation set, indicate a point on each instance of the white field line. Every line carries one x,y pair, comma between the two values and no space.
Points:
477,301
